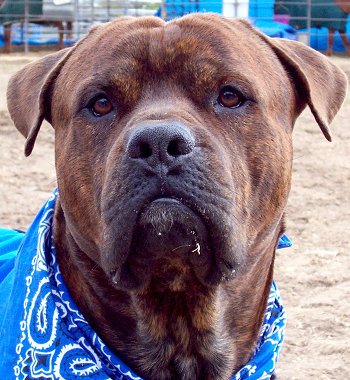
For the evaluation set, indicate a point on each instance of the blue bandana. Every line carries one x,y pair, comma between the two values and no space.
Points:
43,335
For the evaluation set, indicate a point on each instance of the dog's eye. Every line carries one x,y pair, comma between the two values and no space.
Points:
230,97
100,106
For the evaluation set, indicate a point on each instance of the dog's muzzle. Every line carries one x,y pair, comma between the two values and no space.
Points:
164,211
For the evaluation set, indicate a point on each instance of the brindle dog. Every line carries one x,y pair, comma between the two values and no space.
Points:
173,158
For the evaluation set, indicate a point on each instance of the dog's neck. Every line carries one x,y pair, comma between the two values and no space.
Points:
167,333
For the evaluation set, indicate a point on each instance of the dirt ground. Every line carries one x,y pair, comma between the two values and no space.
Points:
313,276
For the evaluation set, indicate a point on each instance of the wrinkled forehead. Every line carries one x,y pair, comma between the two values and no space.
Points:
196,50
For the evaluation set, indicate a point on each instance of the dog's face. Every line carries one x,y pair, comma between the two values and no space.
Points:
181,149
174,141
173,156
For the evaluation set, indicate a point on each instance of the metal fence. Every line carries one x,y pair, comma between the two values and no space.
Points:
35,22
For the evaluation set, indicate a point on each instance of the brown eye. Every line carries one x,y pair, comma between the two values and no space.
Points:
101,106
229,97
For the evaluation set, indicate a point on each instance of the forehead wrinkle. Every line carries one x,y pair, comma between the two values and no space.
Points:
179,51
127,84
96,81
235,47
201,53
118,80
168,50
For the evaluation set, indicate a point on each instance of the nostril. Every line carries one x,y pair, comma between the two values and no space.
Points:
173,148
145,150
178,147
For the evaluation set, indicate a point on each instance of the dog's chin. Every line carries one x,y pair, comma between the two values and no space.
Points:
170,245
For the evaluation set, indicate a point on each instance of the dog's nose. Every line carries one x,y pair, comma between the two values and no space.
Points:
160,142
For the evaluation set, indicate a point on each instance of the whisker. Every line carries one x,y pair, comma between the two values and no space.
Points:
181,246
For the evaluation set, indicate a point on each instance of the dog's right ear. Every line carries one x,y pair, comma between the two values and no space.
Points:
28,94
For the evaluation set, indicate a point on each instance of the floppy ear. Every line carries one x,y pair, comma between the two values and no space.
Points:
28,95
29,92
320,84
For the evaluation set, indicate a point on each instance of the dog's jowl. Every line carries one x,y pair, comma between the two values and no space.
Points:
173,158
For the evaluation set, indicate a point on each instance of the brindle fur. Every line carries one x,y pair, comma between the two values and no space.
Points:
174,313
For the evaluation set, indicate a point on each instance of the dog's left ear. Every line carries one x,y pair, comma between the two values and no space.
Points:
322,84
319,83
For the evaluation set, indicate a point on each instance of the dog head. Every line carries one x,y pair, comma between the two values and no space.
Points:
174,138
173,141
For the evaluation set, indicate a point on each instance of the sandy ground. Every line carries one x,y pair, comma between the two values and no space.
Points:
313,276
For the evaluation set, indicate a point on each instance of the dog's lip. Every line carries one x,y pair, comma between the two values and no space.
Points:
173,203
169,200
197,246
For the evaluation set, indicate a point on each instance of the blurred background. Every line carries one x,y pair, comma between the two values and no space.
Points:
28,24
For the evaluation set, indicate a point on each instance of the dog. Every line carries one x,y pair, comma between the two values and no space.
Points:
173,145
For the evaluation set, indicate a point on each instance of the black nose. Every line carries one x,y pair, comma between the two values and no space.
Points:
160,142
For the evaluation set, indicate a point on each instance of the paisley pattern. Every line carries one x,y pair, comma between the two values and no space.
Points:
56,342
263,363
